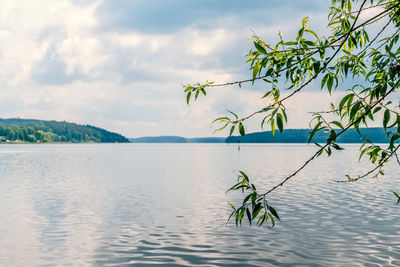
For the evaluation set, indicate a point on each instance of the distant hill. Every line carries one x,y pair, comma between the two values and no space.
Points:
29,130
376,135
177,139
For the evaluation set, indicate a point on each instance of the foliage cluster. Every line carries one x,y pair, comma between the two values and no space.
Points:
362,49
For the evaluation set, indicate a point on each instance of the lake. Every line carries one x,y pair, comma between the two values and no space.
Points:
165,204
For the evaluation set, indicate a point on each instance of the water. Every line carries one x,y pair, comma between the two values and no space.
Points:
165,204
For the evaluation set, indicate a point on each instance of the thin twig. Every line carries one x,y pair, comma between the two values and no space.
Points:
316,74
397,158
373,170
379,33
340,133
367,22
374,6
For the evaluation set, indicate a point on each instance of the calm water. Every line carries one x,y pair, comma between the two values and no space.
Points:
152,204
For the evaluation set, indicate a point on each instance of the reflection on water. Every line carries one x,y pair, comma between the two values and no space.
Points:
140,204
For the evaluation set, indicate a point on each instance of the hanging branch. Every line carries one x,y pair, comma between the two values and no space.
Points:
299,63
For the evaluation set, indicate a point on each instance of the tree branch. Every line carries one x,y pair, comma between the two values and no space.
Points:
373,170
367,22
316,74
327,144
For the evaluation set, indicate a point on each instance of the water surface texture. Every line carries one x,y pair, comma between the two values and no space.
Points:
165,204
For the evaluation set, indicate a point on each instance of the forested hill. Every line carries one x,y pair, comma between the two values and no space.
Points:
28,130
376,135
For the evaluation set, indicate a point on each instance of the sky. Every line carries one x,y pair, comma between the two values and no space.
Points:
119,65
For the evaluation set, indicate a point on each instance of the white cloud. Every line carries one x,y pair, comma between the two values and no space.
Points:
82,55
202,43
59,63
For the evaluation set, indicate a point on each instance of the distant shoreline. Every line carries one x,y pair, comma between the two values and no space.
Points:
44,143
289,136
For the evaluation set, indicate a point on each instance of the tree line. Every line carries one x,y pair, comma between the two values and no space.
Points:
28,130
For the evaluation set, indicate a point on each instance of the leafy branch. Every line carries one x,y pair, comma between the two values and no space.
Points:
346,53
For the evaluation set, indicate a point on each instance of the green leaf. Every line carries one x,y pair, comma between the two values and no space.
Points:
262,122
324,80
223,127
386,118
316,128
260,48
313,33
248,215
247,198
273,126
309,43
354,110
256,69
231,131
279,122
377,109
284,115
304,21
398,197
266,94
337,147
329,83
300,34
338,124
398,124
347,99
221,118
241,129
232,206
233,187
261,220
236,116
257,210
246,178
188,97
273,211
276,94
316,66
272,220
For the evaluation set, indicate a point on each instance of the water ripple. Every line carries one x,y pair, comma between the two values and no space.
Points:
142,205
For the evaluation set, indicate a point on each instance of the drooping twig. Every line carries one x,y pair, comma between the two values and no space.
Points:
327,144
367,22
316,74
373,170
397,158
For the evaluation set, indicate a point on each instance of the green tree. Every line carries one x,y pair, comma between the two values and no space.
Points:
31,138
362,49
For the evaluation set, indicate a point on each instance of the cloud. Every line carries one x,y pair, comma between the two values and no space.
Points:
119,64
169,16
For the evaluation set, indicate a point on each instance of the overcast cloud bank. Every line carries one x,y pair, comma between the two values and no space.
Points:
119,64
